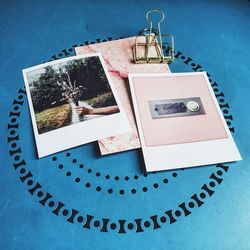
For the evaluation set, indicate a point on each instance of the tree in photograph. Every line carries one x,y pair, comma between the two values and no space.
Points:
88,72
71,82
45,91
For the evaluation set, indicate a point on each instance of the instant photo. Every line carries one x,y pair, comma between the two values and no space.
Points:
72,101
179,121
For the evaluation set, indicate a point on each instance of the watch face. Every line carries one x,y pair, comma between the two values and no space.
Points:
170,108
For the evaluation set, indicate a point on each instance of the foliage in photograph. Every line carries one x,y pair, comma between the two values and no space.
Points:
57,89
103,100
50,90
53,118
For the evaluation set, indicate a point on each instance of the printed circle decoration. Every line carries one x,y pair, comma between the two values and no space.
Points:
105,224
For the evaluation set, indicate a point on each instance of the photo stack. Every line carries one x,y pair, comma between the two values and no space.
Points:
100,96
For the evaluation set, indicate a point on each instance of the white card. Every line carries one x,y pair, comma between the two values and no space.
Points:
56,88
179,121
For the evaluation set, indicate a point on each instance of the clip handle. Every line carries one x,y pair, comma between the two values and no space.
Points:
158,30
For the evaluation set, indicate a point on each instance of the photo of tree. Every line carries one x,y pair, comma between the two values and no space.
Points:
70,92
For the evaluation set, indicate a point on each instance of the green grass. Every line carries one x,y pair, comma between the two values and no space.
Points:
53,118
103,100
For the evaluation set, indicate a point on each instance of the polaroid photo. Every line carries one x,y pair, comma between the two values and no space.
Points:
179,121
119,67
73,101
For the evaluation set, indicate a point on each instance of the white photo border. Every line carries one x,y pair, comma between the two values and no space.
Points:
184,155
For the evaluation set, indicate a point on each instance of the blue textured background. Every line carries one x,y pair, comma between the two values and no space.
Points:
215,34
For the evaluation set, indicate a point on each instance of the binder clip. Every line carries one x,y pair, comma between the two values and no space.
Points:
153,47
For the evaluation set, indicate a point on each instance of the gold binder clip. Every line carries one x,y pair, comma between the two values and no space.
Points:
152,46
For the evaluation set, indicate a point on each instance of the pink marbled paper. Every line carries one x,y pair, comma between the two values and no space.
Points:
119,59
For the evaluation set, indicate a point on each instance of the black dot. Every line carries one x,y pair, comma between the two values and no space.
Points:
192,64
225,111
163,219
126,178
144,189
117,178
133,191
191,204
97,174
174,174
165,181
136,177
145,174
228,123
81,166
110,191
130,226
40,194
54,158
74,160
177,213
13,120
87,185
65,212
13,145
202,195
80,219
147,223
22,170
98,189
219,172
221,100
77,179
12,132
107,176
216,90
29,182
17,157
60,166
60,54
16,108
20,97
51,203
156,185
70,50
113,226
104,40
68,173
68,154
210,80
89,170
212,184
122,192
182,57
97,223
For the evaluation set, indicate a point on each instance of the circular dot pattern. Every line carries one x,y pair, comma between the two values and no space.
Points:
45,197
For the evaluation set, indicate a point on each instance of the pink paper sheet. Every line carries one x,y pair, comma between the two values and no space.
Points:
119,59
176,130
